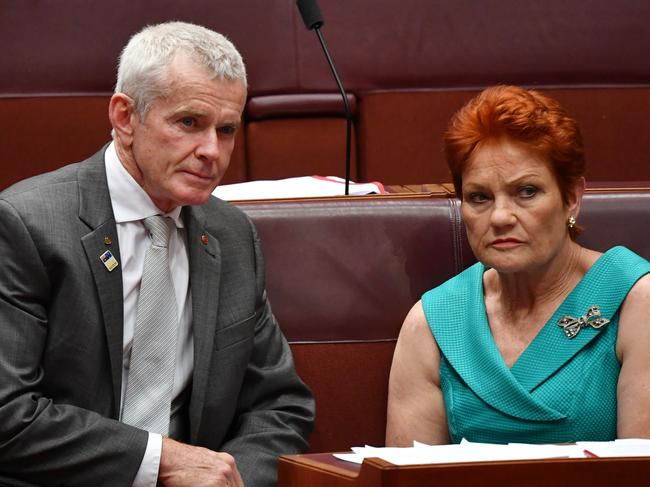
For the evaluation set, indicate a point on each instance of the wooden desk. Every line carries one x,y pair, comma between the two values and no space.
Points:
324,470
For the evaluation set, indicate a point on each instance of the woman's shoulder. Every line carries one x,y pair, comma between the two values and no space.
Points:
640,292
415,322
634,322
619,266
623,257
458,284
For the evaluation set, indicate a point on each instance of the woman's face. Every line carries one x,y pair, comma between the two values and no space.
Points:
513,209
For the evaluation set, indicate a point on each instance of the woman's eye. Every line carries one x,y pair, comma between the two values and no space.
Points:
477,197
528,191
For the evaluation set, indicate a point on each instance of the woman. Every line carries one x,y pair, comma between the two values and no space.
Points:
543,340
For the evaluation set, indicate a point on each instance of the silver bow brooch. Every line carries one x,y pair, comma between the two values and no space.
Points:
572,326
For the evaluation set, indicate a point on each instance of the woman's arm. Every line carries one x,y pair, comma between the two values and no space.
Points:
416,409
633,350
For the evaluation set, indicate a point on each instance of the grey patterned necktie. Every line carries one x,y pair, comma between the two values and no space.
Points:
148,396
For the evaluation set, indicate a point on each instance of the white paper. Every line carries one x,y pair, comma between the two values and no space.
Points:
632,441
349,457
298,187
629,447
466,451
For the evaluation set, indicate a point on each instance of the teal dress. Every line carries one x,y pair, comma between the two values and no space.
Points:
560,389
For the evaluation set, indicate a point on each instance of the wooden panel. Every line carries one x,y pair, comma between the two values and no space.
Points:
40,134
400,133
282,148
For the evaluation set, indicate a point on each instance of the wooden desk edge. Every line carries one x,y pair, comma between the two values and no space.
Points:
324,462
327,462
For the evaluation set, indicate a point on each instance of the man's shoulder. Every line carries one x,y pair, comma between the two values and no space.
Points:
63,175
219,210
52,181
37,193
57,185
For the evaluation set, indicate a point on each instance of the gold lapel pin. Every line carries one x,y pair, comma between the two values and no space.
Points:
108,240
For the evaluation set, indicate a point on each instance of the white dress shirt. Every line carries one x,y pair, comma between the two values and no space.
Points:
131,205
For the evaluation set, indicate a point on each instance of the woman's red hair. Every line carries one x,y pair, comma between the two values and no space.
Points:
521,115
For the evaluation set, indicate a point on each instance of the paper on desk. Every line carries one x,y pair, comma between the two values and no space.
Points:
361,452
628,447
298,187
632,441
466,451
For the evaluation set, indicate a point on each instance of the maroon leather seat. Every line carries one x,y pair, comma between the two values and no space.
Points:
343,273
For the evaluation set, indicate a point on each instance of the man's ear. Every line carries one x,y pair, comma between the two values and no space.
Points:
575,197
121,113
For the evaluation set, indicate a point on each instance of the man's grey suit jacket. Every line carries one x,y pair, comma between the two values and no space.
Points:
61,314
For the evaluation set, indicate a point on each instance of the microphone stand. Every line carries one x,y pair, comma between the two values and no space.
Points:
313,19
348,112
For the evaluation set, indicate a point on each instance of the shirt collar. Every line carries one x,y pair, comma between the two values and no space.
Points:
130,202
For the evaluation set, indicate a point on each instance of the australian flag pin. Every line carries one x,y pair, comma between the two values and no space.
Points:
108,260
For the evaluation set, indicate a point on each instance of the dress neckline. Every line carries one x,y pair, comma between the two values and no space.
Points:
576,289
457,318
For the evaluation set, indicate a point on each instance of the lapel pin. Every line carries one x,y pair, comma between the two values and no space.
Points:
204,239
108,240
108,260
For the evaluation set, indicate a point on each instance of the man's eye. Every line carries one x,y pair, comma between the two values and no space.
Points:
227,129
188,121
527,191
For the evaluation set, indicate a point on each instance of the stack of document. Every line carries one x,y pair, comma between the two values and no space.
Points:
299,187
466,451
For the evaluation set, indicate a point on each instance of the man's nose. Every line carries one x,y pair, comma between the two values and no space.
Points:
208,147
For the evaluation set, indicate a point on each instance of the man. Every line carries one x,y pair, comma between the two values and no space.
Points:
115,341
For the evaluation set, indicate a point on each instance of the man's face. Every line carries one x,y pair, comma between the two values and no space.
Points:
181,149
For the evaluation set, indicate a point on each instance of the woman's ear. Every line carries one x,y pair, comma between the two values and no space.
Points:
574,199
121,113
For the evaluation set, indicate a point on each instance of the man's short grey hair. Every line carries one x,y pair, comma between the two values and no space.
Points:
144,63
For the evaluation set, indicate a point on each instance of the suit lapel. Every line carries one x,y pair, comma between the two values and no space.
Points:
96,211
205,265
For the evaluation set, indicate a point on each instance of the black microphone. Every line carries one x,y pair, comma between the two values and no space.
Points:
313,19
310,13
